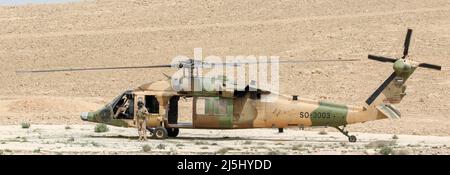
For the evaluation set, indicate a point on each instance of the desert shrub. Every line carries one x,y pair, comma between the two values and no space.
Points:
298,147
25,125
323,132
146,148
224,150
380,144
96,144
101,128
400,152
275,152
386,150
161,146
201,143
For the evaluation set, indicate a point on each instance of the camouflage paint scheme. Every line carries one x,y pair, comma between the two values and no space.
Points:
246,109
104,115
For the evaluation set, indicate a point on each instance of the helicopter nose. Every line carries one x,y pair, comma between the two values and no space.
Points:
84,116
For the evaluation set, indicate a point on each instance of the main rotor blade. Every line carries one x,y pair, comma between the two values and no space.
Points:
430,66
185,64
92,69
312,61
272,62
407,41
382,59
380,89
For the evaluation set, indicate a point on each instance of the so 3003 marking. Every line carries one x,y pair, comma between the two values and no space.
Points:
323,115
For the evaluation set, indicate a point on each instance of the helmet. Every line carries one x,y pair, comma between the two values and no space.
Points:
140,103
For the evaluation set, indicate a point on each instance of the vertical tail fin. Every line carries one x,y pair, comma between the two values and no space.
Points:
392,90
380,89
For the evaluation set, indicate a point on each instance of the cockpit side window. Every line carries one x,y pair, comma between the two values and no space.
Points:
118,101
123,106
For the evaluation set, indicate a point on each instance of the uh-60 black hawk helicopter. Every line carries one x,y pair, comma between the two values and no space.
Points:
229,108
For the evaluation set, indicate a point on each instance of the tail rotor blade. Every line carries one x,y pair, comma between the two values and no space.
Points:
430,66
407,41
382,59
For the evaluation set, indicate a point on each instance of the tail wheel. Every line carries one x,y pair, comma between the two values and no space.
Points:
161,133
352,138
173,132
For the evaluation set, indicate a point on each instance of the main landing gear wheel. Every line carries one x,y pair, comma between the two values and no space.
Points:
280,130
351,138
172,132
161,133
152,133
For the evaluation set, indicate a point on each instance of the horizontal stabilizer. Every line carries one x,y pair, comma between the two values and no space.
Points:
389,111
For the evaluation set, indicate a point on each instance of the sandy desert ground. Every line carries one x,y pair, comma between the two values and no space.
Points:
80,139
135,32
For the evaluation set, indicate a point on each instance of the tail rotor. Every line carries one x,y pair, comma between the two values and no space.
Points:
402,67
405,55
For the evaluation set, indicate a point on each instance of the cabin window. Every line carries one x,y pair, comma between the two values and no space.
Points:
220,106
152,104
211,106
200,106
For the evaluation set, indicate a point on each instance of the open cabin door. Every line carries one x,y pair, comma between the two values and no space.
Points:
213,112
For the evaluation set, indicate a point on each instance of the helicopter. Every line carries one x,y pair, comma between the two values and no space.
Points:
229,108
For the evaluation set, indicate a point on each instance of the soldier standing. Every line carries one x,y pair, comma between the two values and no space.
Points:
142,121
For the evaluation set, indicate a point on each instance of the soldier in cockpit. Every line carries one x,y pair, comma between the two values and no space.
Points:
122,108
